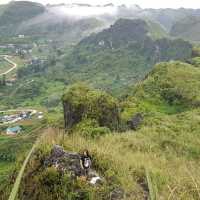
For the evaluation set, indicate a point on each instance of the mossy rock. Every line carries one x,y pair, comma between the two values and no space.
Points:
81,102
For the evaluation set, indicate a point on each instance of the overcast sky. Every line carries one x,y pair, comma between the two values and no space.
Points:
142,3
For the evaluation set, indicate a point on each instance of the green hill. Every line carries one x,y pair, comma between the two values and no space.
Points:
112,60
156,30
174,82
128,94
121,55
36,20
16,13
187,28
139,164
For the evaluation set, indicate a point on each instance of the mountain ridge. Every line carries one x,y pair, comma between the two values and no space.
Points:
165,17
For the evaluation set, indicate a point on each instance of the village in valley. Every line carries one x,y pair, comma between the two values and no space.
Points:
16,53
10,120
21,51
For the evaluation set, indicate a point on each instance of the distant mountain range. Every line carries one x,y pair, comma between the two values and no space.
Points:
122,54
75,21
187,28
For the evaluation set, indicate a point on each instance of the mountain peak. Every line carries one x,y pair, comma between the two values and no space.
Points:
135,6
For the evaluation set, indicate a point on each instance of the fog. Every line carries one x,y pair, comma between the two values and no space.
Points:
83,11
142,3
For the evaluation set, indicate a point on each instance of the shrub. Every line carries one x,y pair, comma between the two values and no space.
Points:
80,102
90,128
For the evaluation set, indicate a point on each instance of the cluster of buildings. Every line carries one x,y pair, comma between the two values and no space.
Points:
20,49
8,119
37,61
12,119
13,130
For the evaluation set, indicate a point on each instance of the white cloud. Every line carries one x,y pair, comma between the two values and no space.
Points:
142,3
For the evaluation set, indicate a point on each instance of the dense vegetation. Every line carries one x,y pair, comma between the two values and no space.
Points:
12,153
17,12
175,83
29,18
160,159
94,61
121,55
191,32
140,123
81,103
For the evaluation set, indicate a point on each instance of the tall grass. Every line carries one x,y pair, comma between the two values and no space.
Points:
134,159
160,160
15,188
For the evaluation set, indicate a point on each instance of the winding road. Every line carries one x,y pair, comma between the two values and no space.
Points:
14,65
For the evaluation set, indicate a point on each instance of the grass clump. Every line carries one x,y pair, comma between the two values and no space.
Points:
90,128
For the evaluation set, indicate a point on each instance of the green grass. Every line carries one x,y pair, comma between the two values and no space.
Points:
175,83
4,66
162,156
17,183
12,152
159,160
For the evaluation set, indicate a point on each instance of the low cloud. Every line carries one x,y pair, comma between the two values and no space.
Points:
83,11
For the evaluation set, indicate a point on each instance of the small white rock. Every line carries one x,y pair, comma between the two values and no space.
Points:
94,180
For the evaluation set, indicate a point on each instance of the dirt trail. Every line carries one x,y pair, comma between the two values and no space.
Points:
14,65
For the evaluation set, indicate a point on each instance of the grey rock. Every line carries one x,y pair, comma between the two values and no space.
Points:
136,121
68,162
64,161
117,194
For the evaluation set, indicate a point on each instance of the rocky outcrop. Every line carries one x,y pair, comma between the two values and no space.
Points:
136,121
64,161
81,102
67,162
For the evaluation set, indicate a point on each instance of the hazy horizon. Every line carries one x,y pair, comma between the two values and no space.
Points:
142,3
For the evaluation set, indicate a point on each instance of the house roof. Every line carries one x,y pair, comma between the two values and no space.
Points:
14,129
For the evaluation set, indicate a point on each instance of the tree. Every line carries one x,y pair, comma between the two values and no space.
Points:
4,80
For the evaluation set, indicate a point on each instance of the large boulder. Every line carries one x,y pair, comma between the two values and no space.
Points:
64,161
136,121
68,162
81,102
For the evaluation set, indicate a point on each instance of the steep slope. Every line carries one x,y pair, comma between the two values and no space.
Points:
17,12
174,82
171,88
167,17
187,28
60,28
122,54
156,30
34,19
138,164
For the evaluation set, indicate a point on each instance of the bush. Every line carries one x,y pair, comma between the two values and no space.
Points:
81,102
90,128
175,83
